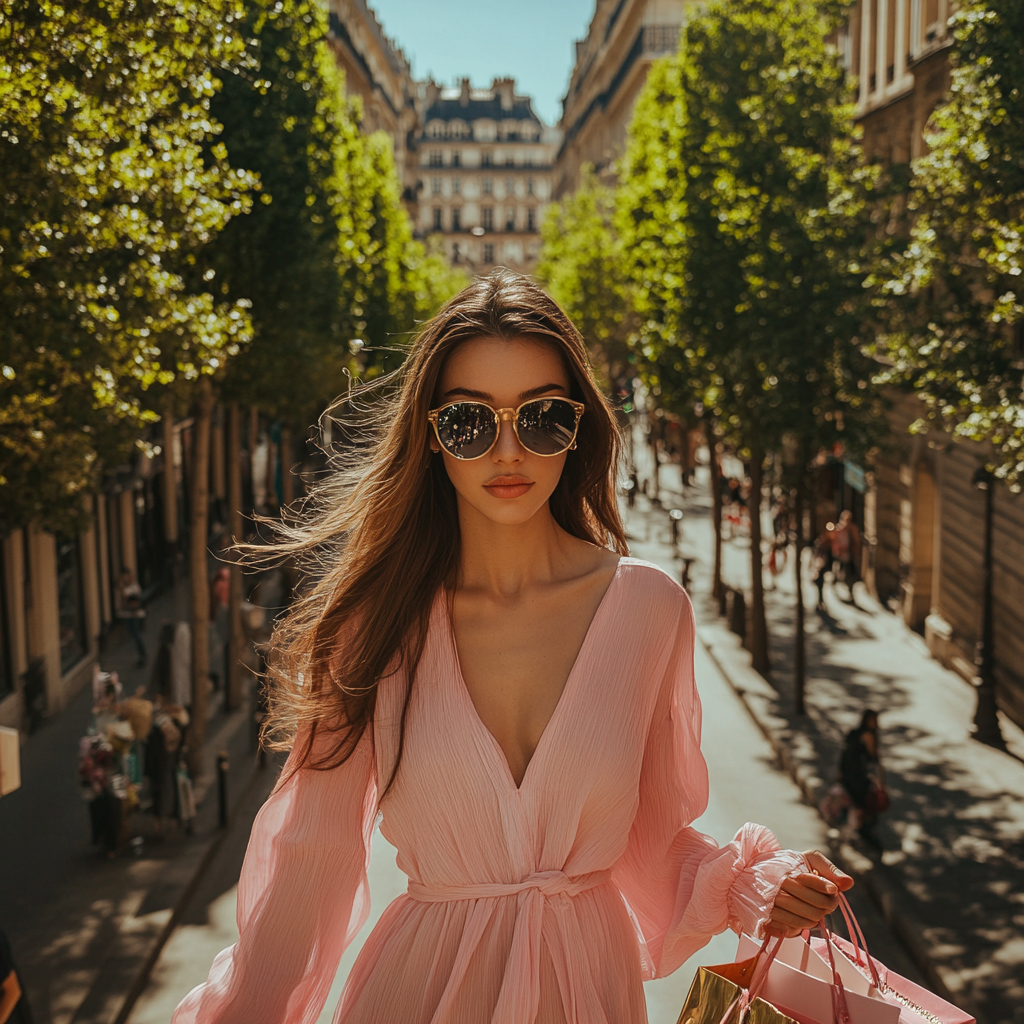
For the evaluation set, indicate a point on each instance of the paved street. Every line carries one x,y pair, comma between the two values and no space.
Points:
746,785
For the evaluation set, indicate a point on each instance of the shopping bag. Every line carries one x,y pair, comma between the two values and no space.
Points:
916,1004
717,995
803,983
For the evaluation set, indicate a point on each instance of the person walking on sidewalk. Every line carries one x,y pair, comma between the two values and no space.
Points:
860,771
482,663
846,549
131,609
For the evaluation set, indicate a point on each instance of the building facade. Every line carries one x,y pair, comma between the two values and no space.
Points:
378,73
484,162
624,38
923,508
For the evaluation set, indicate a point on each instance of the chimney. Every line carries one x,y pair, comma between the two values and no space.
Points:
433,93
505,90
464,92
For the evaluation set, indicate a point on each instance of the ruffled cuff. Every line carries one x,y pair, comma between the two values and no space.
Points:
762,866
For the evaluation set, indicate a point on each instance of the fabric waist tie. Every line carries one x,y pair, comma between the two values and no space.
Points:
519,998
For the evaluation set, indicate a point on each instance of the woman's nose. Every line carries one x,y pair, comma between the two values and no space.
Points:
507,448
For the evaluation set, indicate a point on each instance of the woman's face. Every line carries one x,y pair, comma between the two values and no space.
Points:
509,484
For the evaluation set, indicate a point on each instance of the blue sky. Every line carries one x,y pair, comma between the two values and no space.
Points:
530,40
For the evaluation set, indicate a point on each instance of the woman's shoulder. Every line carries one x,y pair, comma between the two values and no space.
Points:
651,589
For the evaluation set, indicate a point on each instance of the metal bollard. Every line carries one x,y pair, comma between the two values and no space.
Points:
222,788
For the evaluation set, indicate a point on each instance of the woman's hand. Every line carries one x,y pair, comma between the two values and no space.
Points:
803,900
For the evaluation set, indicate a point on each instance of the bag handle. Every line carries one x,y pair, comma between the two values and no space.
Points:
858,941
757,981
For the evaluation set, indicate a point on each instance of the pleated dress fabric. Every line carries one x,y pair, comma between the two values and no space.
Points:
546,903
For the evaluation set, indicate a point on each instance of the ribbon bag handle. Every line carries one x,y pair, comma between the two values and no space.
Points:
757,982
858,941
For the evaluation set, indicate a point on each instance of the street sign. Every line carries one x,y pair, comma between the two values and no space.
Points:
854,476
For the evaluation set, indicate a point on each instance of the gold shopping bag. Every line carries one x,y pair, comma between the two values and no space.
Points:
715,989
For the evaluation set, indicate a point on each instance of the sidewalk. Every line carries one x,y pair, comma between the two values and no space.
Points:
950,879
82,927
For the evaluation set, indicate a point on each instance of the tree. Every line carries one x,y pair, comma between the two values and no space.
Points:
582,265
748,211
952,299
111,183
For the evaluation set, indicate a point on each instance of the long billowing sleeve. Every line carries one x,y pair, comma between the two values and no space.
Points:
302,896
680,887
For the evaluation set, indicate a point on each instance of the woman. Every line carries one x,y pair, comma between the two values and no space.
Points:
482,664
861,773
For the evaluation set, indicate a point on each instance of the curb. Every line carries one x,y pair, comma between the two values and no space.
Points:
885,892
139,982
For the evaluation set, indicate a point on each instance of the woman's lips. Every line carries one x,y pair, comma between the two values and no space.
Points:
508,486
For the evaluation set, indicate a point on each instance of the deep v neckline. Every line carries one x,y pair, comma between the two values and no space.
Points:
562,697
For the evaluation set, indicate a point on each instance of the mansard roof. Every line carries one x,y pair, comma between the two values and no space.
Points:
484,104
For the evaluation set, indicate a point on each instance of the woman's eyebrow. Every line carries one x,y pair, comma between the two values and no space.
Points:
485,396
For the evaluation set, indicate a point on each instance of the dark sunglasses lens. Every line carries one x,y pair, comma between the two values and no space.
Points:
546,426
466,429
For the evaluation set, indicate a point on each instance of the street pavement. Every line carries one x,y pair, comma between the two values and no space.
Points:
746,785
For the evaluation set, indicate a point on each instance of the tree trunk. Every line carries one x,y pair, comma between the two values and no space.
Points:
236,634
199,579
800,650
717,591
758,624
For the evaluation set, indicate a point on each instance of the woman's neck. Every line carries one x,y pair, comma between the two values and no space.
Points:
504,559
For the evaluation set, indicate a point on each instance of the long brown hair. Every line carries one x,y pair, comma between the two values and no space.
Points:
381,535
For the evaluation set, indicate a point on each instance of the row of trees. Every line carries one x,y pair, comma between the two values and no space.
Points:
762,277
190,213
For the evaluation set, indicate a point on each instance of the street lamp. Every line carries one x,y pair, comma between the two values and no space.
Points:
986,718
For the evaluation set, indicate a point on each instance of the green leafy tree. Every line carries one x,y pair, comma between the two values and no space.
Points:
954,297
582,265
111,184
746,211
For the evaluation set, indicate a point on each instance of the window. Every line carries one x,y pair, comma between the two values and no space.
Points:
486,158
510,219
510,186
69,602
531,219
435,186
510,160
455,158
488,215
529,186
488,252
436,158
456,186
438,219
488,186
456,218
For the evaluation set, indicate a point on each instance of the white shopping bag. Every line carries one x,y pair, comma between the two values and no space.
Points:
800,983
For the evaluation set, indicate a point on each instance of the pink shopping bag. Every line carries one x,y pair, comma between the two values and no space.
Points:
801,982
917,1005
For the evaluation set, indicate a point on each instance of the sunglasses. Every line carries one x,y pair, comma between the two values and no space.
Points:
544,426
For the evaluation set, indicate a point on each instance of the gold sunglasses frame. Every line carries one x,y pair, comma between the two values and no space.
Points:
511,415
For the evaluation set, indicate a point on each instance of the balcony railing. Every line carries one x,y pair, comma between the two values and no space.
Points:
660,39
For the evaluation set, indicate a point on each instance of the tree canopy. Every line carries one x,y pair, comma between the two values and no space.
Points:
112,182
952,298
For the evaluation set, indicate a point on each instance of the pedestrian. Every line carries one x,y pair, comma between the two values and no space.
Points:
131,609
860,772
482,663
823,562
846,549
14,1008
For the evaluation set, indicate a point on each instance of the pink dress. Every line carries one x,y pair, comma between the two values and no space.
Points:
546,903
